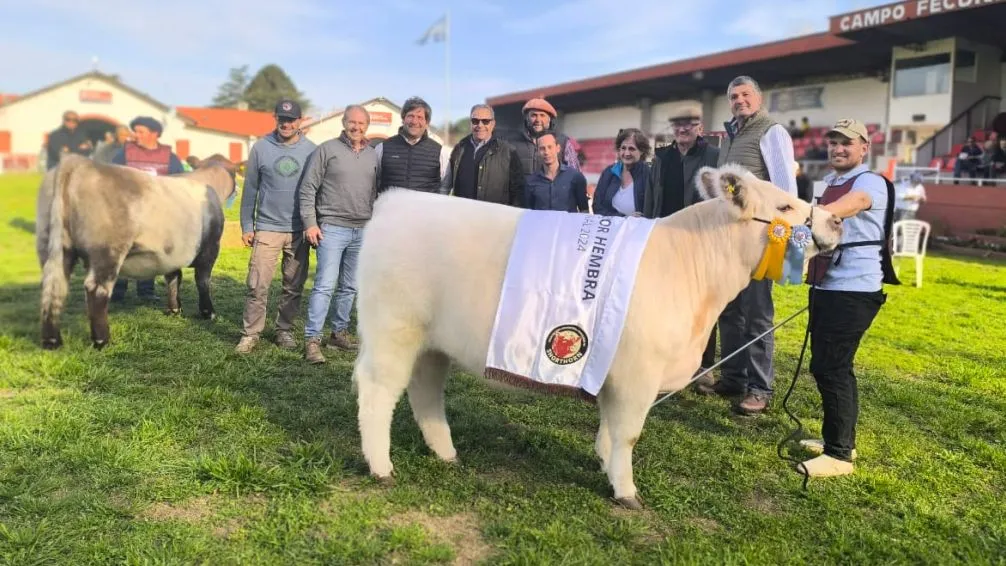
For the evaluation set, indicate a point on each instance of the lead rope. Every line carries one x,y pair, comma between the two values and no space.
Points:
792,385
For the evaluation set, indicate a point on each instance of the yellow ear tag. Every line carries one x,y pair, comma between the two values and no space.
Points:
731,188
771,263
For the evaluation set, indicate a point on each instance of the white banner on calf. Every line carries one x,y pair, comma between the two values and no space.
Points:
564,300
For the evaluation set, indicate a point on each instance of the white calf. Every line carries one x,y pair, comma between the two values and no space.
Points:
430,275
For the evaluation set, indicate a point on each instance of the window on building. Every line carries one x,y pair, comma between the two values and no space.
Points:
922,76
965,66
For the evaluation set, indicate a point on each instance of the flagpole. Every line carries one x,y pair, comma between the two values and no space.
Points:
447,72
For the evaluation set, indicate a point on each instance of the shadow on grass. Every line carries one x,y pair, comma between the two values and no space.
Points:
22,224
153,355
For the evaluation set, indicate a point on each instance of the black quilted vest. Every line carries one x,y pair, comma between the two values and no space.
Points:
410,166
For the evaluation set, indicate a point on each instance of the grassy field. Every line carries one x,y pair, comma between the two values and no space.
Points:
167,448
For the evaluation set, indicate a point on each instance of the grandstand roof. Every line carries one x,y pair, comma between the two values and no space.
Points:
817,54
916,21
864,50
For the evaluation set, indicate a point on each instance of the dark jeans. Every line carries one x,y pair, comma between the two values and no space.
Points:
709,356
838,321
144,288
747,316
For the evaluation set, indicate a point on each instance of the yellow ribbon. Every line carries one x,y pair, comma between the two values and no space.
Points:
772,260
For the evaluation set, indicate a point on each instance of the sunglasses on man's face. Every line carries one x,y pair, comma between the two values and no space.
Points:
483,121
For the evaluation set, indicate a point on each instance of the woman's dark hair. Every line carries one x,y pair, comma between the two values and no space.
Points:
638,137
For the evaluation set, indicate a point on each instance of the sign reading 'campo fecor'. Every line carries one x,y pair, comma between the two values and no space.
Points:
893,13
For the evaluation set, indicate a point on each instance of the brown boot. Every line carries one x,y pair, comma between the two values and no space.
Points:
312,351
342,340
284,339
753,404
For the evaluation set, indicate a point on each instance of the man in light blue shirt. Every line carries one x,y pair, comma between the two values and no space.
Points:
848,291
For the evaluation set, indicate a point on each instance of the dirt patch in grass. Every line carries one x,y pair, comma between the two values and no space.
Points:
190,511
762,503
461,531
704,524
7,393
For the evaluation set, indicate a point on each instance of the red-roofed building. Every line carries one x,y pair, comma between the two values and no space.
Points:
232,120
104,102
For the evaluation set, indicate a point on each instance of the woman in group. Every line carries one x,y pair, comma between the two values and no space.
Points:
620,189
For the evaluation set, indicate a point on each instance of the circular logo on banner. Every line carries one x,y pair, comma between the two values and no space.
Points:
566,344
286,166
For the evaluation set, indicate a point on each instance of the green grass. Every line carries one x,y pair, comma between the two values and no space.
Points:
167,448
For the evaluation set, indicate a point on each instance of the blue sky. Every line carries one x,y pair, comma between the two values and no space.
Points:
339,51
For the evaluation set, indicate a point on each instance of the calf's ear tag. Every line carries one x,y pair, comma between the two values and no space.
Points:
731,188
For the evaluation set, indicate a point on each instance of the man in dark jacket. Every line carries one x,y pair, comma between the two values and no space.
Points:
539,117
672,183
555,186
68,138
482,167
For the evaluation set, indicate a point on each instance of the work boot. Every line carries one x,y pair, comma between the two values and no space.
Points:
753,403
825,466
708,379
246,344
312,351
284,339
342,340
816,446
722,388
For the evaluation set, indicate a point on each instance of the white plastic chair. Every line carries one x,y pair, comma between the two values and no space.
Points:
910,240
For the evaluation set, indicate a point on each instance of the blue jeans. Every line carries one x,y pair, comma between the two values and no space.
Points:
337,255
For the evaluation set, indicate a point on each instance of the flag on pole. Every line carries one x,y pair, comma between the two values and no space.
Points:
436,33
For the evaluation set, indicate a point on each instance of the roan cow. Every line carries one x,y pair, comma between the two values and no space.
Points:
430,274
122,221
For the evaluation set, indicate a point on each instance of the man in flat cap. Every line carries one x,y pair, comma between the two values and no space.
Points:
672,181
145,153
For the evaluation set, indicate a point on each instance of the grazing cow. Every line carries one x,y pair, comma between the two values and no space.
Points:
430,275
123,221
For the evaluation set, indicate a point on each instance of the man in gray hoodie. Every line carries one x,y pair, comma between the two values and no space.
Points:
271,225
336,199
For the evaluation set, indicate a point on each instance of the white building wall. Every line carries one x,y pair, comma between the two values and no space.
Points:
204,143
603,124
864,99
936,108
29,120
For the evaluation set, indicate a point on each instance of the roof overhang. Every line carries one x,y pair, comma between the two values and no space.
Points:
791,60
919,21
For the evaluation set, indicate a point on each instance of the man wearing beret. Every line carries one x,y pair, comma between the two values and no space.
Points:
145,153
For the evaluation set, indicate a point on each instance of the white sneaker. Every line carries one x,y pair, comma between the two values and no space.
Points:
825,466
816,446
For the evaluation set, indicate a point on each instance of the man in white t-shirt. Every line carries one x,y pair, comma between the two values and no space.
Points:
911,193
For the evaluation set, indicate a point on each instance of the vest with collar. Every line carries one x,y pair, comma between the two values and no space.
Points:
818,265
154,161
743,146
410,166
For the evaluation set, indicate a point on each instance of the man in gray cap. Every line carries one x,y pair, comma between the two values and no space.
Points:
672,180
145,153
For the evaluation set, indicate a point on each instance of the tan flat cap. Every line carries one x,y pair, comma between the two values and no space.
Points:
851,129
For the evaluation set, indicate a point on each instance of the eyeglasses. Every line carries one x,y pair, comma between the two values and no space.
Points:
684,125
483,121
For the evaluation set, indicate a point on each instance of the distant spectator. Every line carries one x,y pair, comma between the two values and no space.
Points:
805,129
968,160
997,164
804,188
68,138
555,186
794,130
106,152
622,185
910,193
